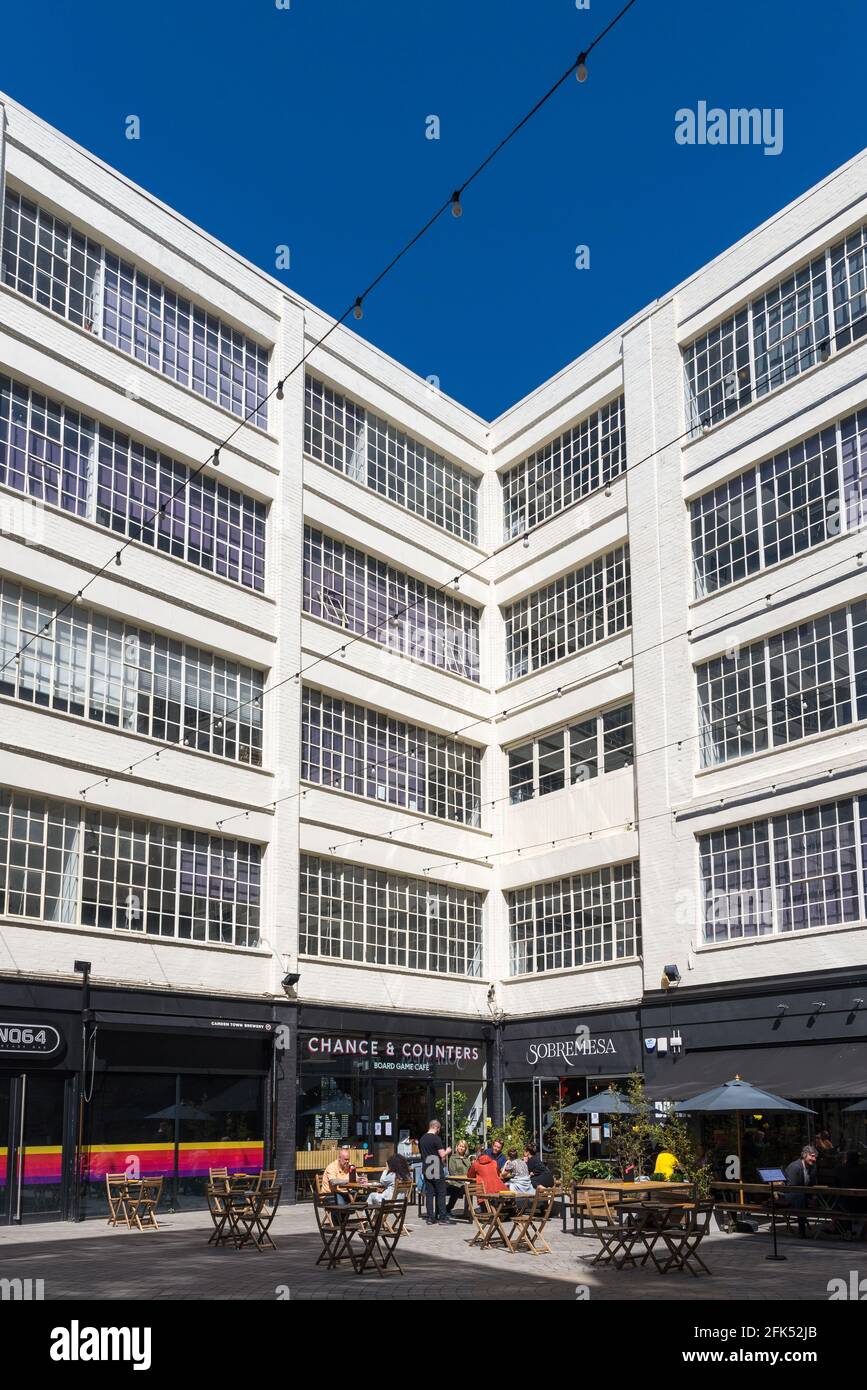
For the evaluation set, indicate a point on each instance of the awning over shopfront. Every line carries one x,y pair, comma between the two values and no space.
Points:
802,1072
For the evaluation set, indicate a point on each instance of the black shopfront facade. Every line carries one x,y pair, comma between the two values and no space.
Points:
374,1080
803,1037
147,1083
547,1064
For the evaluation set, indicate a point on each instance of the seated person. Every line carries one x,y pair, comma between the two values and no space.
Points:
459,1167
396,1170
495,1151
340,1170
485,1171
666,1166
516,1173
540,1173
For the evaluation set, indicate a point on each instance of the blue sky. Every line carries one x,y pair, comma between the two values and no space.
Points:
306,127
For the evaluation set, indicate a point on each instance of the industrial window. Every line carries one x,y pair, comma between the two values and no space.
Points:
377,454
587,919
349,912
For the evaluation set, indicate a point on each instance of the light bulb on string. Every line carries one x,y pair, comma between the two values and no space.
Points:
457,210
358,311
581,67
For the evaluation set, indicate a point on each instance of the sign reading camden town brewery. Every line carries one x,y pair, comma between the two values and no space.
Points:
393,1054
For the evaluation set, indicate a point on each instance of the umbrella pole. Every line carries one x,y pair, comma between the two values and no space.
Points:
740,1161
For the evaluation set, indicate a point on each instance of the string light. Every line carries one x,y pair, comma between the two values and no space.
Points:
581,67
457,210
357,310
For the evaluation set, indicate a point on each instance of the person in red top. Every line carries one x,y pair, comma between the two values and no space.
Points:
484,1170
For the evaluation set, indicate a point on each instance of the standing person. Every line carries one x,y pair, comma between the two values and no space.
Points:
433,1157
801,1173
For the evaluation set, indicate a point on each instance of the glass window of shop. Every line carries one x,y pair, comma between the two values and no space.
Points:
174,1125
542,1099
376,1104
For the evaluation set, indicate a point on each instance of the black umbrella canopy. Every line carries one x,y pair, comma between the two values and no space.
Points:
183,1111
609,1102
859,1105
739,1095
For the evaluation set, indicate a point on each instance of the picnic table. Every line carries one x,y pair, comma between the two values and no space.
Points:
580,1195
678,1226
830,1203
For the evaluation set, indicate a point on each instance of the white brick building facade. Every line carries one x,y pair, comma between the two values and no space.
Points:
651,811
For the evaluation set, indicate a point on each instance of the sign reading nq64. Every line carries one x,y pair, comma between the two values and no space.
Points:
29,1039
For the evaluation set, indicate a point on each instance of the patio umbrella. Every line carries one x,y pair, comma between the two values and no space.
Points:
609,1102
183,1111
859,1105
337,1105
736,1097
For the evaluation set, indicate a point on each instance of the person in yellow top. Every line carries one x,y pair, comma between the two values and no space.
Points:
666,1165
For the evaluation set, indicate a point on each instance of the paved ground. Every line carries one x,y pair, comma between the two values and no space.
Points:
92,1261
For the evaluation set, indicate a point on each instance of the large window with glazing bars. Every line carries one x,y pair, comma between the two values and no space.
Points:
788,873
349,912
370,451
593,746
584,458
362,751
806,494
587,919
816,310
56,456
80,867
74,276
126,677
355,591
574,612
810,679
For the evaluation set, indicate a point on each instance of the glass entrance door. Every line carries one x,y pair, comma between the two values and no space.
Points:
546,1108
35,1186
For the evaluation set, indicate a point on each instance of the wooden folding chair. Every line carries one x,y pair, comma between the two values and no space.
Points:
682,1242
530,1223
116,1193
216,1196
219,1176
402,1192
257,1213
481,1211
267,1178
380,1237
143,1208
612,1237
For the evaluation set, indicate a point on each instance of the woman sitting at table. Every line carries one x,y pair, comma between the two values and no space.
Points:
459,1167
540,1173
515,1173
396,1170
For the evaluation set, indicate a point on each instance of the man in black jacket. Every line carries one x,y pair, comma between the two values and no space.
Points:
801,1173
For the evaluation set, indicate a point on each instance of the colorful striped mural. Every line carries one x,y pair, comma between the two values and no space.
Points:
43,1163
